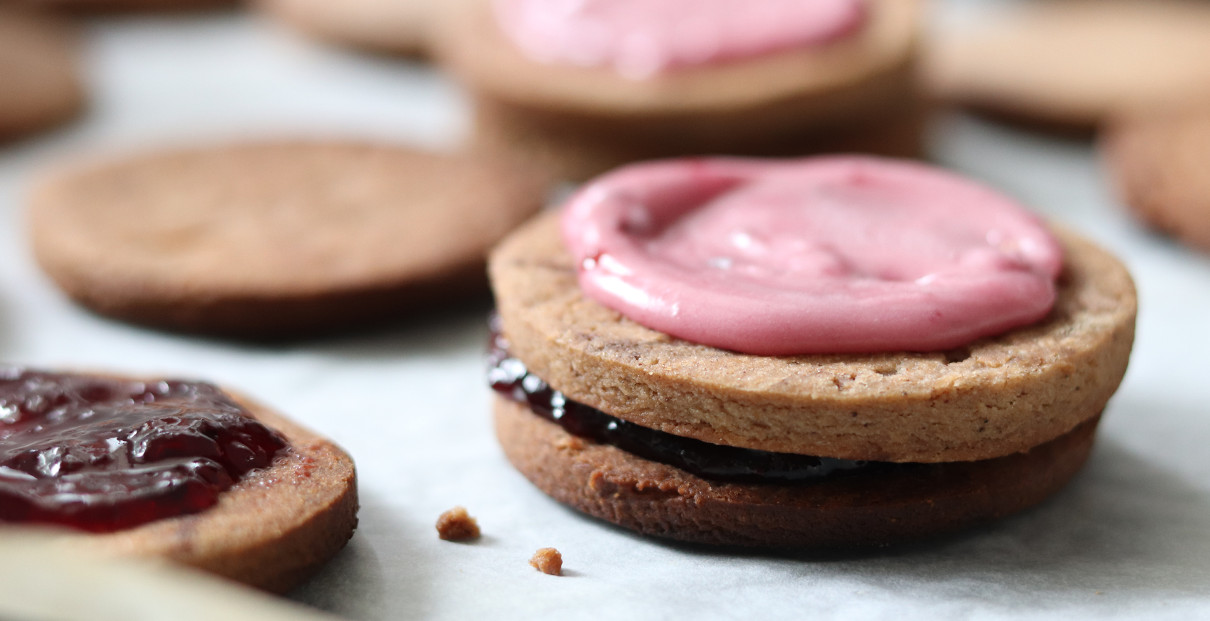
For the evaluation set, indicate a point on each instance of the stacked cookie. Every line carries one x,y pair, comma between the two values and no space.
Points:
918,403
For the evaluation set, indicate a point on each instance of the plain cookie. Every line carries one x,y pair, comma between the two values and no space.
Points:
1074,63
39,72
268,241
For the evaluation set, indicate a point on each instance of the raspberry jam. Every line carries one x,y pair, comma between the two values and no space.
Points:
509,377
101,454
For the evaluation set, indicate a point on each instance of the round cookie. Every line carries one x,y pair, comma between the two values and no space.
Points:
1154,160
279,240
274,528
38,68
982,431
105,6
578,121
900,407
1073,63
664,501
391,26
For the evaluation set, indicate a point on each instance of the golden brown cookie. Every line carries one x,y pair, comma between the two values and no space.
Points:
391,26
276,526
983,431
579,121
1158,163
1074,63
38,71
275,240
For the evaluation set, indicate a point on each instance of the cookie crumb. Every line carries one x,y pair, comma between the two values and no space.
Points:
548,561
457,525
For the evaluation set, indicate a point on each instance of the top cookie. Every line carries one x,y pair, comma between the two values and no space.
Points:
1074,63
38,71
274,240
999,396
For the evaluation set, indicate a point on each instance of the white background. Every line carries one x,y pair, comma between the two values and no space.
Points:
1129,538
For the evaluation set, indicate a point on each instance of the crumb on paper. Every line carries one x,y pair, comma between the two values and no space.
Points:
457,525
548,561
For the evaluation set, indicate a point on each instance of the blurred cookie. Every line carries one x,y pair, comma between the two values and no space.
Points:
581,118
1159,163
39,73
1073,63
391,26
105,6
275,240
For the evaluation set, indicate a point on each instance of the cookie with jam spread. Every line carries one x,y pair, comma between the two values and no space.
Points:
882,367
276,240
585,88
173,469
40,73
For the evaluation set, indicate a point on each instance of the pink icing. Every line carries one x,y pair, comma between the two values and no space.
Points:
819,255
640,38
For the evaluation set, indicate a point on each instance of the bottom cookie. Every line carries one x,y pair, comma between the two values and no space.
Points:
573,150
879,508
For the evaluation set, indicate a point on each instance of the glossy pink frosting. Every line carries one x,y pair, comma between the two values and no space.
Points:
640,38
820,255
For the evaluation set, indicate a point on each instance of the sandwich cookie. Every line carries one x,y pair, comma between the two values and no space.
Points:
825,352
275,240
40,73
586,88
172,469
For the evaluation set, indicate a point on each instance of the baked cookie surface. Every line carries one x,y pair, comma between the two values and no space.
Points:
1157,162
38,68
998,396
580,121
391,26
274,240
859,510
1074,63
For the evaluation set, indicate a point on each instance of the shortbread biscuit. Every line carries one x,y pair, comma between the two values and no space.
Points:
391,26
859,510
275,240
999,396
39,73
1156,161
1074,63
583,120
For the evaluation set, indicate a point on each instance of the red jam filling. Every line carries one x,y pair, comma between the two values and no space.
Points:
509,377
101,454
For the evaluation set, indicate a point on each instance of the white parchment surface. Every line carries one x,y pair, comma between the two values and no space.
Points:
1130,538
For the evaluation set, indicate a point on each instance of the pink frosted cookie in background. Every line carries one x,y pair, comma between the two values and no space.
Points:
840,440
641,38
582,87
